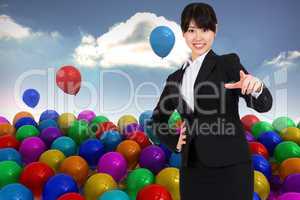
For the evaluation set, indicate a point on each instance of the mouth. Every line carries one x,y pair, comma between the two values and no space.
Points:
199,45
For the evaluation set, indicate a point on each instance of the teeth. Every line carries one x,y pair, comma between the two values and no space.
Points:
198,45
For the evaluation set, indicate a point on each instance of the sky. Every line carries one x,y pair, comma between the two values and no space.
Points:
108,41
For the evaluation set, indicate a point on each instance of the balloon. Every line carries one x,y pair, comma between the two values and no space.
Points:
283,122
87,115
7,129
31,97
255,196
68,78
153,192
35,175
145,118
262,165
140,138
169,178
167,151
174,118
125,120
291,183
248,121
249,137
50,134
291,134
94,126
10,154
289,196
152,158
258,148
105,126
97,184
114,195
131,152
65,120
175,160
26,132
99,119
285,150
7,141
137,179
91,150
46,124
53,158
288,167
58,185
162,40
49,114
114,164
65,145
111,139
71,196
3,120
20,115
31,148
260,127
150,134
25,121
130,128
15,191
261,185
9,172
270,140
78,131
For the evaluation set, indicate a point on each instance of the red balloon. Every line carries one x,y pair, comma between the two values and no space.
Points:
105,126
68,79
248,121
154,192
141,138
7,141
35,175
71,196
259,148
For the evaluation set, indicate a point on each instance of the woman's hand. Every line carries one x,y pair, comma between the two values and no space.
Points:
247,84
182,136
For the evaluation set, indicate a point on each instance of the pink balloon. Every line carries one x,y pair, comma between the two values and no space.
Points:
3,120
31,148
289,196
86,115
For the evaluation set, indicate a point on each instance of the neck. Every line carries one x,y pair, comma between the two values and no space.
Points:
195,56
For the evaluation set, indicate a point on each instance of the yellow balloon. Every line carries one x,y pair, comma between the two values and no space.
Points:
65,120
97,184
126,120
291,134
169,178
261,185
53,158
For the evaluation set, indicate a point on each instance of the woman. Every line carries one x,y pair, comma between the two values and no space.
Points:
216,162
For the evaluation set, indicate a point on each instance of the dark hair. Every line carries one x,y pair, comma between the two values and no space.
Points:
203,15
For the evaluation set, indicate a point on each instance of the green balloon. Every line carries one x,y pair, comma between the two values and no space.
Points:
26,131
95,124
173,119
78,131
283,122
100,119
137,179
10,172
285,150
298,125
260,127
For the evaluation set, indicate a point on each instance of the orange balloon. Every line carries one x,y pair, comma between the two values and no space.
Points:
131,151
289,166
7,129
76,167
20,115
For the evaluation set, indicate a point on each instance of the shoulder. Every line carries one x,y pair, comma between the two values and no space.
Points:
230,58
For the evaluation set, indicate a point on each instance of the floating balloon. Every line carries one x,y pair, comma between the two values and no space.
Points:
16,191
288,167
31,148
169,178
68,78
153,192
281,123
248,121
162,40
285,150
114,195
53,158
87,115
270,140
131,152
31,97
10,154
152,158
26,132
9,172
260,127
7,141
261,185
65,145
49,114
91,150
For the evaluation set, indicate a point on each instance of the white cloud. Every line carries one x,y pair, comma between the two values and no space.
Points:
127,43
284,59
12,30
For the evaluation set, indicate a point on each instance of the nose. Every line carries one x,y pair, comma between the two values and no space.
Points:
199,34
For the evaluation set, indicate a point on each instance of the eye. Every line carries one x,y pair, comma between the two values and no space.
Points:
190,30
205,29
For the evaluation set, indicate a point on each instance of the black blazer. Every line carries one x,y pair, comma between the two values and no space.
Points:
214,125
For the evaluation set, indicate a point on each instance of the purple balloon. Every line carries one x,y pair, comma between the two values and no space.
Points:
275,183
131,128
289,196
291,183
272,196
49,134
249,137
31,148
114,164
153,158
86,115
3,120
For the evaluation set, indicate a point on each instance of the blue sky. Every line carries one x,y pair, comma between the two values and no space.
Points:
38,37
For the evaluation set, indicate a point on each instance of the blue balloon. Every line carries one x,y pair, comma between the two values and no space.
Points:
31,97
111,139
91,150
270,140
255,196
261,164
167,151
49,114
145,118
114,195
46,124
66,145
25,121
10,154
58,185
15,191
162,40
175,160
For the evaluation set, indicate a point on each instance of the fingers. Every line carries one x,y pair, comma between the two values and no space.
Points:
242,74
257,86
245,85
250,88
233,85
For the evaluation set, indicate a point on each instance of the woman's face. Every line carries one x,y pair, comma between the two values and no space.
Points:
199,40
